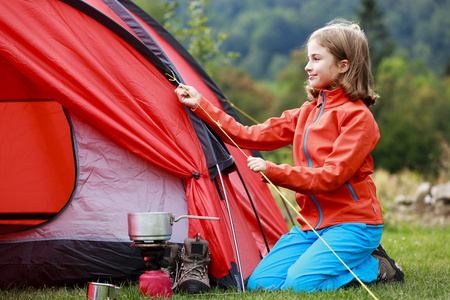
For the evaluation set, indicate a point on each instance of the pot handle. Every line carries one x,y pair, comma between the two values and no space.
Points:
196,217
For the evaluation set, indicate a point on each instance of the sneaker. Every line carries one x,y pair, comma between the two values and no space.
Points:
195,258
172,265
388,269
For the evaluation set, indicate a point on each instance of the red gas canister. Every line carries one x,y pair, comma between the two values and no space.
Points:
155,284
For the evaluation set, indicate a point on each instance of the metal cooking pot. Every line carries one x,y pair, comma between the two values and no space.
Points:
153,226
102,291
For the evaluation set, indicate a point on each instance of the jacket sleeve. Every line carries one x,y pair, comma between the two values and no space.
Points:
351,150
272,134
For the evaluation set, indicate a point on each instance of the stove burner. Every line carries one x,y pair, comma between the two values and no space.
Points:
153,254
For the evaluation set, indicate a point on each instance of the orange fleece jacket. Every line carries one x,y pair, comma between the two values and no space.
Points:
332,139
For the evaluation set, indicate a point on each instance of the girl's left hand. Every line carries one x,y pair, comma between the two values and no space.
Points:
257,164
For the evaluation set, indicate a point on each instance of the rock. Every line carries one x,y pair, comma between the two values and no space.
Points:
404,200
440,192
430,205
422,203
422,192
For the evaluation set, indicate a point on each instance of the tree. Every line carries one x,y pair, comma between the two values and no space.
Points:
253,99
290,83
412,117
372,21
156,8
197,37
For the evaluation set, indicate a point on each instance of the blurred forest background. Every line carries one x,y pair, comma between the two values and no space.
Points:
253,50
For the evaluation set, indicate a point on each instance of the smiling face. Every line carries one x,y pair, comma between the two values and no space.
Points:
323,69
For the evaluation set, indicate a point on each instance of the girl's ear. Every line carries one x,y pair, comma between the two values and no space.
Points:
344,65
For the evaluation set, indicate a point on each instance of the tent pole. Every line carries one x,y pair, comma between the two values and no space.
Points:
254,210
232,229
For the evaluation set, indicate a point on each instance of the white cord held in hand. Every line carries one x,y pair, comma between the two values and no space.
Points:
188,95
257,164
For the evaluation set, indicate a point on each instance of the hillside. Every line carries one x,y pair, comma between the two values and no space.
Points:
265,32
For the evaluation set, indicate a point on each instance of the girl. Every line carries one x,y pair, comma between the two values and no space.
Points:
332,137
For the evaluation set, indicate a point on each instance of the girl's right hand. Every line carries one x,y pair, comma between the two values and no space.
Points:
257,164
188,95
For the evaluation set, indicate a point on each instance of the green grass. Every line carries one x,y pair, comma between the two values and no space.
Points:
423,253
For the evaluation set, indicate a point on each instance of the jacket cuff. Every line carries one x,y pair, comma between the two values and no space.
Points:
199,103
269,170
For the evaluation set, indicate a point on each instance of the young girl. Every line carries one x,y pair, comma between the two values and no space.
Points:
332,137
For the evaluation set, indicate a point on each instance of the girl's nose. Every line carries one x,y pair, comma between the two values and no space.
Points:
307,67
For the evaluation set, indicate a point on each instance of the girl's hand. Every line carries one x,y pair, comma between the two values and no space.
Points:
188,95
257,164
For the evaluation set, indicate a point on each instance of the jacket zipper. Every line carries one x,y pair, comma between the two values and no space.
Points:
309,159
310,163
352,191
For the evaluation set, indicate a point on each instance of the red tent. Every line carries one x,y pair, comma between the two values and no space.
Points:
91,130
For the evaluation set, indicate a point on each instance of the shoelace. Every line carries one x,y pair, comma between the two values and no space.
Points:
197,270
175,273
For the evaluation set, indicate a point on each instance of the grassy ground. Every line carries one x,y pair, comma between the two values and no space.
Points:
423,254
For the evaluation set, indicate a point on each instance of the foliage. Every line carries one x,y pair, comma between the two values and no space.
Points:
372,22
421,29
156,8
262,31
412,117
265,33
199,39
290,82
254,98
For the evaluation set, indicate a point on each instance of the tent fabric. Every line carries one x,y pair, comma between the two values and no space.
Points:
196,76
136,148
218,155
21,127
29,118
89,239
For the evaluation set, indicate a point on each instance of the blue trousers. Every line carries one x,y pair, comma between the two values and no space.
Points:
302,262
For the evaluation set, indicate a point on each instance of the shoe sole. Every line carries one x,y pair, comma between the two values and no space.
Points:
193,287
399,276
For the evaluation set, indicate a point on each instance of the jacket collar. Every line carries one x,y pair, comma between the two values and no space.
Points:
332,98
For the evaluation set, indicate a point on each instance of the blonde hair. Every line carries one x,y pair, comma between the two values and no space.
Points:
346,40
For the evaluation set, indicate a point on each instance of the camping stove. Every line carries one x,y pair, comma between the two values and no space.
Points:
153,253
151,232
154,283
